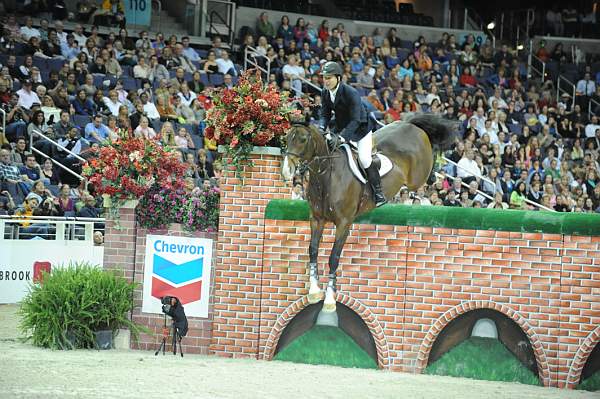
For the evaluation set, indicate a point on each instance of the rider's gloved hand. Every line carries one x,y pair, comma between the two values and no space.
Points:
334,141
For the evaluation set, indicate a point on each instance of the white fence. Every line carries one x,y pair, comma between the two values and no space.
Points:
25,254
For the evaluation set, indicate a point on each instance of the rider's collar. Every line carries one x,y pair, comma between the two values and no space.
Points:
333,92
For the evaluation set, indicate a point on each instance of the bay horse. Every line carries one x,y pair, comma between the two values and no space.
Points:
336,195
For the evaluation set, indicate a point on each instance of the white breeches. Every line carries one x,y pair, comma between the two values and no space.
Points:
365,148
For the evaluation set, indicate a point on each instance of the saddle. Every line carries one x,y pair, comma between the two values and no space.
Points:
383,163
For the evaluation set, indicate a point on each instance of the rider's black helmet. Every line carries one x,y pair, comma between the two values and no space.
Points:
331,68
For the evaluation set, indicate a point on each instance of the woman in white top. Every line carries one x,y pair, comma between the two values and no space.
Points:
144,129
112,102
186,95
142,69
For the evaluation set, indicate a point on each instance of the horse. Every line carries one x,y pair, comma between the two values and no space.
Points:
334,193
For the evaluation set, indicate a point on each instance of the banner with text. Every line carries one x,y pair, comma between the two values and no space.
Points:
22,262
180,267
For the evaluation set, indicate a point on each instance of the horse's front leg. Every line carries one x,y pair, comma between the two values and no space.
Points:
316,232
341,234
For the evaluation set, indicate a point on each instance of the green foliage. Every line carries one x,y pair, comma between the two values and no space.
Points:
592,383
482,359
326,345
72,302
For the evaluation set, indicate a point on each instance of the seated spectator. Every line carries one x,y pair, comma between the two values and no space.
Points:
183,141
19,154
10,176
144,129
225,64
141,70
188,51
27,97
149,108
468,169
186,95
517,197
498,202
112,102
158,71
30,173
82,105
64,202
451,199
49,176
31,207
96,131
88,210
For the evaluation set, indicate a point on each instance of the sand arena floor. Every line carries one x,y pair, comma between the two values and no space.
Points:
29,372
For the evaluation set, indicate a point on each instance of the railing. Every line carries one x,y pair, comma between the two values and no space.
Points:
535,204
215,10
308,82
462,183
250,56
593,110
563,85
3,113
50,228
48,139
534,64
515,25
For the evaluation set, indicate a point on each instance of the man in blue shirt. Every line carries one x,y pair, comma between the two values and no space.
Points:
189,51
96,131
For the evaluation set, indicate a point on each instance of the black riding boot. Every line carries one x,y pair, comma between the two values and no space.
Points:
375,182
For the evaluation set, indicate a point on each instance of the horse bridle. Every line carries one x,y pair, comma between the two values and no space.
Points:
305,165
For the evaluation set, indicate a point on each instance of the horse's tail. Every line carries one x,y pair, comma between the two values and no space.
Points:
441,132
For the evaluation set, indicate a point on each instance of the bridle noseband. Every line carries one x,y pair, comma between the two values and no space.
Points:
305,165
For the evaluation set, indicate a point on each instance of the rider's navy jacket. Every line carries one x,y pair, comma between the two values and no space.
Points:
350,114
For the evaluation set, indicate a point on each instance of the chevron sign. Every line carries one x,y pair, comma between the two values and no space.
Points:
177,266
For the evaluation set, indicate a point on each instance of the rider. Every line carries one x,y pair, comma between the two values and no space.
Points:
351,123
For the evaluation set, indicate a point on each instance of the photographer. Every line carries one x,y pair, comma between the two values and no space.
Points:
173,307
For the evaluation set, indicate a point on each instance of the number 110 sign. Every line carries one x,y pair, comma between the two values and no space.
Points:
138,12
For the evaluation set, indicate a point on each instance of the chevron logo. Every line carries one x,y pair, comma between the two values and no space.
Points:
180,267
177,274
183,281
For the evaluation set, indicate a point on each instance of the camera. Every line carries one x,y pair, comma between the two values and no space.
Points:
166,301
172,306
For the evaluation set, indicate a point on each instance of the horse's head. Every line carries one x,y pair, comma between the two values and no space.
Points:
303,143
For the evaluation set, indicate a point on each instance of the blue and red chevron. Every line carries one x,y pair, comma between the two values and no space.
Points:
169,279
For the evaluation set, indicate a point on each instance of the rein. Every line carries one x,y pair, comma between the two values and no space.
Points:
305,165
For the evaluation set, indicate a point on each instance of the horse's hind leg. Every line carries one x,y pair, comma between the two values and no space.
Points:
316,232
341,234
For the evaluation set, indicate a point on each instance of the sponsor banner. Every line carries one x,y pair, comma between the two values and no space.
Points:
180,267
22,262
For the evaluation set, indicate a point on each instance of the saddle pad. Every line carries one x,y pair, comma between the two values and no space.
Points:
385,164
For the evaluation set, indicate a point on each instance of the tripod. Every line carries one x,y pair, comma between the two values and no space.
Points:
166,332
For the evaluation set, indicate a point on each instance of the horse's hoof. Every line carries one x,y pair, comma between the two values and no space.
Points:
328,307
315,297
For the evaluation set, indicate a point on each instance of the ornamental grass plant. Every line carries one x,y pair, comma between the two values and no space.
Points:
68,305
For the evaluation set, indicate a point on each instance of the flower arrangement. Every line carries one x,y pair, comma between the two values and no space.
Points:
128,167
198,211
249,114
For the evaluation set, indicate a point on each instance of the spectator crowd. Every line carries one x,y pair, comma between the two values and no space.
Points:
519,147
